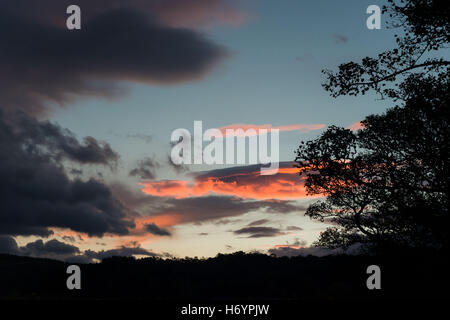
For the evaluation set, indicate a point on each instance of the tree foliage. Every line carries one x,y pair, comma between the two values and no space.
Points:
388,183
426,34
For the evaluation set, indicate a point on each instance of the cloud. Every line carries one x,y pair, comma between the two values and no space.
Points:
168,211
227,221
294,228
60,143
45,64
268,127
157,231
178,168
244,182
146,169
258,222
51,249
296,244
8,245
256,231
69,238
259,232
175,13
292,251
144,137
54,249
211,209
339,38
355,126
122,251
76,172
36,195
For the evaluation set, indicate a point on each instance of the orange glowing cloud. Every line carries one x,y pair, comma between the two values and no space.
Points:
288,246
242,182
168,188
355,126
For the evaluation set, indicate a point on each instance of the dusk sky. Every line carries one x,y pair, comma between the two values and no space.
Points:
136,71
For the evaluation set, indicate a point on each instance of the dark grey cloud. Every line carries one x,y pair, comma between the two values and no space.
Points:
35,192
227,221
51,249
122,251
294,228
54,249
254,230
259,232
146,169
175,13
157,231
76,172
179,169
8,245
60,143
258,222
138,202
70,239
216,208
43,63
295,250
90,151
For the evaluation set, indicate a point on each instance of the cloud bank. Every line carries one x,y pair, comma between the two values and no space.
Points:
45,64
243,182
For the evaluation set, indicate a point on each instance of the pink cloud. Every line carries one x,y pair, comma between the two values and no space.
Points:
355,126
256,127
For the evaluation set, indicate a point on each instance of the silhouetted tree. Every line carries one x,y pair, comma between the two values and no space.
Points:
388,183
426,25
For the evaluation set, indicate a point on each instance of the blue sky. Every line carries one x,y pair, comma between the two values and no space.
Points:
273,75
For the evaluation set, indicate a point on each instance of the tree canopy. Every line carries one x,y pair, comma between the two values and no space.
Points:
388,183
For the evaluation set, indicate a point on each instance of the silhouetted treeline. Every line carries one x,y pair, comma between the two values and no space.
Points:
233,276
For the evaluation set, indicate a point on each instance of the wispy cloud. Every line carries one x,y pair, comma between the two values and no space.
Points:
233,129
339,38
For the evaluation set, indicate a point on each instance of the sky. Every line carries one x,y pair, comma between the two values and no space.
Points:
135,72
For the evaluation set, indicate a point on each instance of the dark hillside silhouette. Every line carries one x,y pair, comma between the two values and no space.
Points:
226,277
